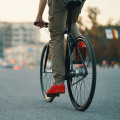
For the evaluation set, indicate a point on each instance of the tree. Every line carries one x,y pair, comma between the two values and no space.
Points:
92,14
93,33
103,48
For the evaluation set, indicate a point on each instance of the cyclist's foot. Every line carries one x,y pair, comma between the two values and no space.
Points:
82,66
56,89
82,48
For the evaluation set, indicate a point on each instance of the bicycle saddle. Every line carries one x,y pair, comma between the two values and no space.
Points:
73,3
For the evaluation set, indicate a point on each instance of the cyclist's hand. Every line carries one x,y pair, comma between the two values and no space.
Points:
40,23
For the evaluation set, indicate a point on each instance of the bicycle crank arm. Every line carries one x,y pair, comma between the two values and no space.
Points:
77,73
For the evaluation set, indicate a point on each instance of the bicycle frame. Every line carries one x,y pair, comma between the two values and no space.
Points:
71,43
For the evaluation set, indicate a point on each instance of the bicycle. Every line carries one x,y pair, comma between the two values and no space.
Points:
80,70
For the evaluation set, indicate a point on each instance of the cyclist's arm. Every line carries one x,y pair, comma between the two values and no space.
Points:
39,18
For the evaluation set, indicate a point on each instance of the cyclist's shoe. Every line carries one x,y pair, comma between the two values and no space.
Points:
56,89
82,66
82,48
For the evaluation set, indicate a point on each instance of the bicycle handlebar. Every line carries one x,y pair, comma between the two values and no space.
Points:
45,25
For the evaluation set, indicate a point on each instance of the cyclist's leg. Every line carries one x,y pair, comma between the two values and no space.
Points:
75,15
75,31
57,20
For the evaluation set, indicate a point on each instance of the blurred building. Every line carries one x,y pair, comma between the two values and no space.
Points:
5,39
17,34
27,55
24,33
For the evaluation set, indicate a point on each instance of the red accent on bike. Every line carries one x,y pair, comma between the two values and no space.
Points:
56,89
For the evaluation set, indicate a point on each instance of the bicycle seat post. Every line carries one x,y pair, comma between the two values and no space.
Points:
69,19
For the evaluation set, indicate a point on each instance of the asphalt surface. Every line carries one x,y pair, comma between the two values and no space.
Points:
21,98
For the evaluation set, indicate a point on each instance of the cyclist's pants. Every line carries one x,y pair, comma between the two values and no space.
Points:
58,21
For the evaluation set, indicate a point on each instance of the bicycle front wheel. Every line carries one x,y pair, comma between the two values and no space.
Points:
81,88
46,75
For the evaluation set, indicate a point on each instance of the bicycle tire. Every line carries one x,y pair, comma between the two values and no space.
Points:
46,76
78,103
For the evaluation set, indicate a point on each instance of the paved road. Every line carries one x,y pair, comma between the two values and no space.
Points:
21,98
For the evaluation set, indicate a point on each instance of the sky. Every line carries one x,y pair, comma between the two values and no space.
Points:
26,10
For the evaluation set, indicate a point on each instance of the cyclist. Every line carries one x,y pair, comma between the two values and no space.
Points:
57,25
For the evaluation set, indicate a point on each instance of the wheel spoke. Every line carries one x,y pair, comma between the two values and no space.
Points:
46,73
81,86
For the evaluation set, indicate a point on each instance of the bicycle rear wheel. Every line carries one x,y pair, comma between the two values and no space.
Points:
81,88
46,75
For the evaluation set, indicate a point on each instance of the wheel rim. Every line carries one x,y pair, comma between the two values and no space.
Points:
82,92
46,75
